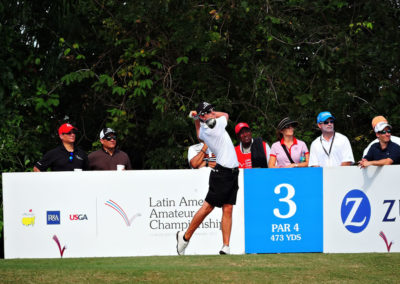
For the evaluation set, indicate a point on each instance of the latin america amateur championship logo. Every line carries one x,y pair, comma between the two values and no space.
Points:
114,205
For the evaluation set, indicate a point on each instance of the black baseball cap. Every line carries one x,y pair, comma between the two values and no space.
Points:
204,108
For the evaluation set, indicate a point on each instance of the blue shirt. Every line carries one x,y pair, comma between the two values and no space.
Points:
376,153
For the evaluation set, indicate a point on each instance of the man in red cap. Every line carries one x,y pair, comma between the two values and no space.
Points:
65,157
251,153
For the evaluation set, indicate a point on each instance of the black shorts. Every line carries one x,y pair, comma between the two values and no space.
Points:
223,186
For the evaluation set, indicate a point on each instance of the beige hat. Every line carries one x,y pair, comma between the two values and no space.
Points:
379,123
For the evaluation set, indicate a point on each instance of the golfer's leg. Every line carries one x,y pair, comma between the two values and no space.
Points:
226,223
204,210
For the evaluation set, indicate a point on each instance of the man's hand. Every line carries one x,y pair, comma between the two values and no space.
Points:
193,114
364,163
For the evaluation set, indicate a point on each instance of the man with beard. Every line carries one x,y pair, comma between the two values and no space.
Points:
331,149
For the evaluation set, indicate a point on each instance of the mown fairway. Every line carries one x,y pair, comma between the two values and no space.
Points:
265,268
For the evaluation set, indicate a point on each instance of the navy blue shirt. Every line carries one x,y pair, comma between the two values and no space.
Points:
376,153
59,159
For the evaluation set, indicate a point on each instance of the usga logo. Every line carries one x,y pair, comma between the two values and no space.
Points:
28,219
53,218
78,217
355,211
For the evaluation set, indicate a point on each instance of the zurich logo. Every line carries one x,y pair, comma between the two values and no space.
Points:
355,211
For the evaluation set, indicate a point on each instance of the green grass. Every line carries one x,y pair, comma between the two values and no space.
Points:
263,268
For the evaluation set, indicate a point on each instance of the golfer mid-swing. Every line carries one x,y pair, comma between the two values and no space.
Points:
223,183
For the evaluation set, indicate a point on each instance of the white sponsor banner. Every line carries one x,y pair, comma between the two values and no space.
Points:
361,209
111,213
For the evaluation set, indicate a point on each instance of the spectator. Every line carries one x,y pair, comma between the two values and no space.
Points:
375,121
199,156
384,152
108,157
251,153
331,149
65,157
288,152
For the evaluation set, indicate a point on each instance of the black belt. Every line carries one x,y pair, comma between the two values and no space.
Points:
218,168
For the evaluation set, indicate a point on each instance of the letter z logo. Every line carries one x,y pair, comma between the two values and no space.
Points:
355,211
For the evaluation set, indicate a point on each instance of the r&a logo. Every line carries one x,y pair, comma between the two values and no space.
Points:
355,211
78,217
53,218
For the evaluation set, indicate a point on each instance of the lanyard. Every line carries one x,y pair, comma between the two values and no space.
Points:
330,148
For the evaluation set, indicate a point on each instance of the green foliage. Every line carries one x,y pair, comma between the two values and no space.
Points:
118,64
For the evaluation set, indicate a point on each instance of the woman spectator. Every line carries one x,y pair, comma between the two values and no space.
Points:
288,152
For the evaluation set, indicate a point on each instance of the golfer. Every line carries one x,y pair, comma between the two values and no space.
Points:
223,182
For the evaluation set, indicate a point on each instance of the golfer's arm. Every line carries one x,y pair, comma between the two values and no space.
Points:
219,114
197,124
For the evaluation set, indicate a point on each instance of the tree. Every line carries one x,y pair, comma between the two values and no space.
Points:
140,66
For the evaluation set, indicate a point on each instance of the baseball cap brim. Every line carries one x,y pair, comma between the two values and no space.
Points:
381,125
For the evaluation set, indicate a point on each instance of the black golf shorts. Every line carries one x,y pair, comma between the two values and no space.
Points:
223,186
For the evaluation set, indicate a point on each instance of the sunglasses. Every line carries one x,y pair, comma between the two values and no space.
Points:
385,131
326,122
206,112
70,133
288,126
109,138
71,157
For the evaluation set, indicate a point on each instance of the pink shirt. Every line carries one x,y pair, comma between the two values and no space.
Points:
294,151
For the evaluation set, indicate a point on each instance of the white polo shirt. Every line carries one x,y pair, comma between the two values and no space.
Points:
195,149
219,142
340,152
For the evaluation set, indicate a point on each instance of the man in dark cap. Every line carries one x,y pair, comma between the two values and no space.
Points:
108,157
223,183
66,157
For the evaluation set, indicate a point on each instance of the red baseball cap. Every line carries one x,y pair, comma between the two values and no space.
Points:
65,128
239,127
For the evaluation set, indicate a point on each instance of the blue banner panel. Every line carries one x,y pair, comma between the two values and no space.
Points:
283,210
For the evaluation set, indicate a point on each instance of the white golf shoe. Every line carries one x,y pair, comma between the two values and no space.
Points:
225,250
181,244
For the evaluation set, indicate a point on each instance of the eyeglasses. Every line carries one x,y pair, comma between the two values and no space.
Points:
385,131
71,157
328,121
69,133
109,138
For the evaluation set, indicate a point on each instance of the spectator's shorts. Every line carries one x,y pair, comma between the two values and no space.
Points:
223,186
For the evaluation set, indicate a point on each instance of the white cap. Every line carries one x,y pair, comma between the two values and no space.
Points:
381,125
104,132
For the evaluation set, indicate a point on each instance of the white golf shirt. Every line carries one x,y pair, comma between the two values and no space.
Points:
195,149
219,142
340,152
